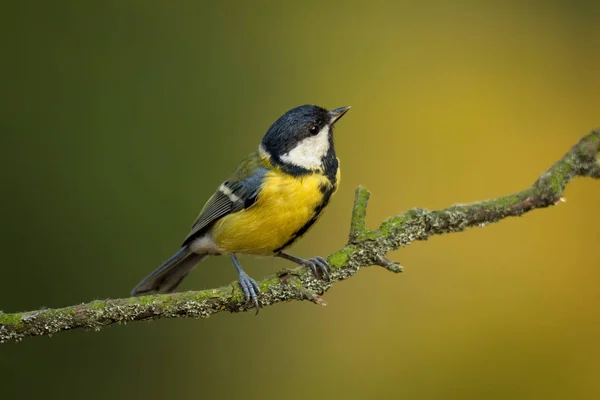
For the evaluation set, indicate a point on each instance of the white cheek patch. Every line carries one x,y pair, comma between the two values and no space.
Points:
310,151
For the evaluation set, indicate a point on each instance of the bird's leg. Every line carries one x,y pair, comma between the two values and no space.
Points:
315,263
249,285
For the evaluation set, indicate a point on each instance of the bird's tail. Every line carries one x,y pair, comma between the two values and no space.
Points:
169,275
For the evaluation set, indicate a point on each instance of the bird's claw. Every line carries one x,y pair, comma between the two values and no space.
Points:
250,289
317,264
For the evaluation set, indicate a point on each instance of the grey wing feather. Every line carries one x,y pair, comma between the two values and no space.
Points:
243,195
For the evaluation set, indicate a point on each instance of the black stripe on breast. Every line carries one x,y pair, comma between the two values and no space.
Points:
331,164
327,191
292,169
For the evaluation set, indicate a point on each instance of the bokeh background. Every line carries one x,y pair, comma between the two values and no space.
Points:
119,118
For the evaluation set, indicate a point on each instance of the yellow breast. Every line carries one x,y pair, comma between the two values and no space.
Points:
283,207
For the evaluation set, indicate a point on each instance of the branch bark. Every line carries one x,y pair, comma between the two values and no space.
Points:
365,247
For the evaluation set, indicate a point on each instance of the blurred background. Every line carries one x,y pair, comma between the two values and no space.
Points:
119,119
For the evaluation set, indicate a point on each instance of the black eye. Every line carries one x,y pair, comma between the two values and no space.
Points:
313,129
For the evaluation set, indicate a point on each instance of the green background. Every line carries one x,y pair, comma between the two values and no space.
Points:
119,118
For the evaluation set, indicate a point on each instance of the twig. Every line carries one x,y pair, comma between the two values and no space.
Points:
365,247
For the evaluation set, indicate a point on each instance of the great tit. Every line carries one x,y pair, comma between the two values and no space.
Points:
272,199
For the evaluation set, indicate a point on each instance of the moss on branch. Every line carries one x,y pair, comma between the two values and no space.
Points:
365,247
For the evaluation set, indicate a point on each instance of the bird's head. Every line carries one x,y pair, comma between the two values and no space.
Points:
302,138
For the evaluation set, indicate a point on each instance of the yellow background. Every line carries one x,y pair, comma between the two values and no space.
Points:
119,118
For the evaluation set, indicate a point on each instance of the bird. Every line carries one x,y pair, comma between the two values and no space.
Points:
273,198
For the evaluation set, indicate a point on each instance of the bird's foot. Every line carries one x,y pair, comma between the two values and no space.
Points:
249,285
318,265
250,289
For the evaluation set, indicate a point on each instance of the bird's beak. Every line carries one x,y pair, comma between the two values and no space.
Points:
337,114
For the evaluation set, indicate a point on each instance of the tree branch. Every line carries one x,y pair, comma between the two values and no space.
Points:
365,247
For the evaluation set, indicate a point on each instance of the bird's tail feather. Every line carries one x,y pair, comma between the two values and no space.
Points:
169,275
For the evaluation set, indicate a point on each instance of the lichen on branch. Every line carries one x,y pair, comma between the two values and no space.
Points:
365,247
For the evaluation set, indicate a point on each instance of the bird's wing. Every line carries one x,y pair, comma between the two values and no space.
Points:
235,194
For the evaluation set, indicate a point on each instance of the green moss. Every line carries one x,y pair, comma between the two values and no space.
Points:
168,300
557,180
204,295
265,284
13,320
142,300
340,258
359,212
237,295
391,225
502,202
95,305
